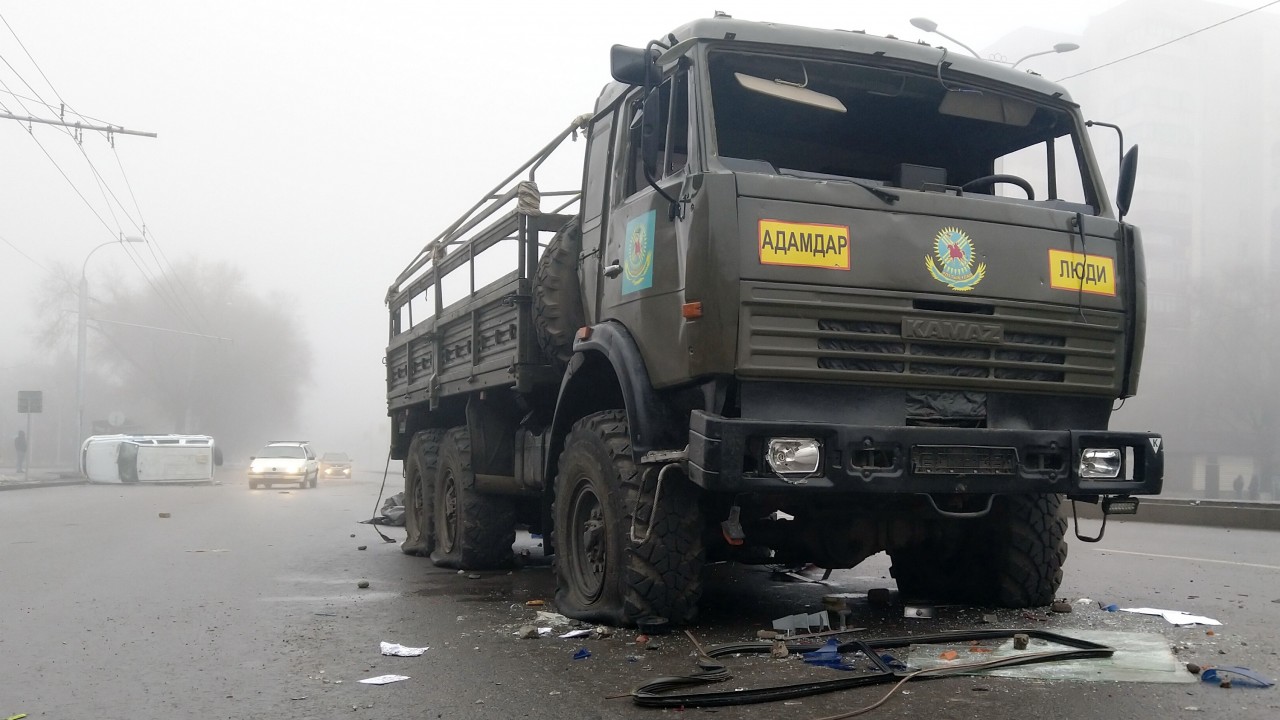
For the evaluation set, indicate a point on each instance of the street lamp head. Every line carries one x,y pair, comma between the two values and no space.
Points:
1059,48
930,26
925,24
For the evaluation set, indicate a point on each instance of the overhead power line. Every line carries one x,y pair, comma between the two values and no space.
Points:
1170,42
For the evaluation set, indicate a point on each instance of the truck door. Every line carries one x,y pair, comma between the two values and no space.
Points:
595,193
641,258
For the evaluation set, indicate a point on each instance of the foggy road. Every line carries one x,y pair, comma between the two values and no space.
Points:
245,604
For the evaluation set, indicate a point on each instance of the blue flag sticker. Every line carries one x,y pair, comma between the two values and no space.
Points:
637,266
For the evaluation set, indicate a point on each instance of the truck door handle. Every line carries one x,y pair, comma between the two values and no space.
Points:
613,270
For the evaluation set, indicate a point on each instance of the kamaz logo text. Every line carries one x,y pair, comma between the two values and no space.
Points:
953,330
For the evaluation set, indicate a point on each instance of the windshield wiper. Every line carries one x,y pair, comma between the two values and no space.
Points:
888,197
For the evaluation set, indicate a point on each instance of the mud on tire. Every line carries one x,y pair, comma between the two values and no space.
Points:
602,575
419,492
472,531
1011,558
557,297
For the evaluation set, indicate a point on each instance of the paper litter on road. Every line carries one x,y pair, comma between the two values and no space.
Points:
400,650
1175,617
576,633
384,679
544,631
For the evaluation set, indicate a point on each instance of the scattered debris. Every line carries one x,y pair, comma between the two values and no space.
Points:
779,649
535,603
384,679
582,632
474,576
164,515
989,618
1020,641
1242,676
642,639
1110,608
362,584
766,634
604,631
353,534
527,632
300,697
1193,668
949,655
546,617
581,654
1060,606
827,656
792,624
917,611
363,547
399,650
1174,617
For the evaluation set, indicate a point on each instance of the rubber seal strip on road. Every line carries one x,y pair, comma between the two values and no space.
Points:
654,692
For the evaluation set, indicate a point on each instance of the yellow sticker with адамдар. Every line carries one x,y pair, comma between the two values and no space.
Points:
804,244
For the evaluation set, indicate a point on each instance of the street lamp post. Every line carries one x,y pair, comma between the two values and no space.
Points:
82,332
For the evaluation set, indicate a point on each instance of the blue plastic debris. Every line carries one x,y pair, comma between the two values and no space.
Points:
828,656
582,654
1110,608
1239,676
893,662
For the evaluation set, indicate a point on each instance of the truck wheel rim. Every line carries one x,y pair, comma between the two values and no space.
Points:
449,506
587,540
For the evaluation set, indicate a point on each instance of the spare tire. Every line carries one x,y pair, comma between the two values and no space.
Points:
557,295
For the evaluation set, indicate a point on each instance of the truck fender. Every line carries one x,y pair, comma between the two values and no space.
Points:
607,372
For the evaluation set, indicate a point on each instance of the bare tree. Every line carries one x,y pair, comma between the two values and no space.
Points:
195,350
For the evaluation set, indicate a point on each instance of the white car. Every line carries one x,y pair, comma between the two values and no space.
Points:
284,461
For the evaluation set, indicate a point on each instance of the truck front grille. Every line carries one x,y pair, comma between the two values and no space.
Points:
842,335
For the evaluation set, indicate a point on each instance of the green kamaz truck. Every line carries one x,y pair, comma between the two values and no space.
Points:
819,295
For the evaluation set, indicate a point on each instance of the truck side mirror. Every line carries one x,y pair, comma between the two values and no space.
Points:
650,126
1128,173
632,65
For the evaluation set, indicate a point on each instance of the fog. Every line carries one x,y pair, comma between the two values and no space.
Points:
312,148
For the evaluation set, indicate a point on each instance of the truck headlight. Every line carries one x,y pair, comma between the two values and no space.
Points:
794,457
1100,463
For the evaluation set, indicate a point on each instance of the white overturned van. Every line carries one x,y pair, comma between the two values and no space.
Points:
149,458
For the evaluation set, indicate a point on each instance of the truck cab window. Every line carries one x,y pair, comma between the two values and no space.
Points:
673,134
810,117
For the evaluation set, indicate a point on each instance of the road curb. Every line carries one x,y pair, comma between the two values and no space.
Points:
1233,514
40,484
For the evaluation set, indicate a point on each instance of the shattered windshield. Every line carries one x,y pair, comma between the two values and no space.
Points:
825,118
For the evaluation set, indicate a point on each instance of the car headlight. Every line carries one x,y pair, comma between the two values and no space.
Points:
794,457
1100,463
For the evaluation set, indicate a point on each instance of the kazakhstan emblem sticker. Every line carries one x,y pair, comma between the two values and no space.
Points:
952,262
637,265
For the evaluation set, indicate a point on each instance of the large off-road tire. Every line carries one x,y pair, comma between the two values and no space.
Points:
419,492
1011,558
557,294
602,575
473,531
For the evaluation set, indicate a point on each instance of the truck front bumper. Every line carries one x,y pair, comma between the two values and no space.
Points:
729,455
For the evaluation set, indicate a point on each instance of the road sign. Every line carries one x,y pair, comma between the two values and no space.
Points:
30,401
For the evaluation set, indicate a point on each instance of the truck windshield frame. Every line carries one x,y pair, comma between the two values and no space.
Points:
947,132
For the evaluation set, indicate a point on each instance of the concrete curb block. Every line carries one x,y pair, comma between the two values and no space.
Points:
1206,513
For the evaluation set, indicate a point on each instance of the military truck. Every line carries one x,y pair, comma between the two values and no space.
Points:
819,295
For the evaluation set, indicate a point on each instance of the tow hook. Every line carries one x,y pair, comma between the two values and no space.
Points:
732,527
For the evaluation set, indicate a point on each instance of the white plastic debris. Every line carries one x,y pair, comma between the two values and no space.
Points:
576,633
384,679
400,650
1175,617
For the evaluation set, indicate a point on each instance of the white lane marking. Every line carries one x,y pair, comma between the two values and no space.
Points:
1192,559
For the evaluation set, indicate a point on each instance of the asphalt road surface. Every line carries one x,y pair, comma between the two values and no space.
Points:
244,604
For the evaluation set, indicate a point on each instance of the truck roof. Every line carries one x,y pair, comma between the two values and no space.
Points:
725,28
